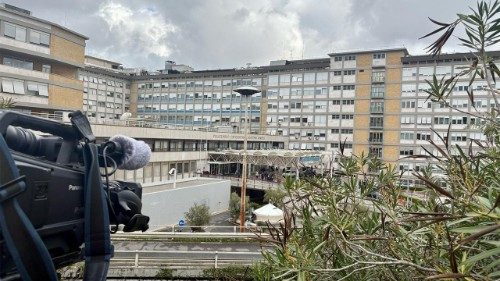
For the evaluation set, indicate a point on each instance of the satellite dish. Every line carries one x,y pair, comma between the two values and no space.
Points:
125,116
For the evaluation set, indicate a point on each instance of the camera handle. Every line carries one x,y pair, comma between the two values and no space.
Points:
27,249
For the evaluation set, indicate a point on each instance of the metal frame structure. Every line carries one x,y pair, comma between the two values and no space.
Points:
279,158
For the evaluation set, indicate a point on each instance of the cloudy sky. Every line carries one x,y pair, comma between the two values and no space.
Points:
209,34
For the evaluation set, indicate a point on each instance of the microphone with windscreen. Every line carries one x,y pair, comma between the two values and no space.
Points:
129,153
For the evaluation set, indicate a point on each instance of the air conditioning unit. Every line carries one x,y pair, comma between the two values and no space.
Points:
316,138
310,138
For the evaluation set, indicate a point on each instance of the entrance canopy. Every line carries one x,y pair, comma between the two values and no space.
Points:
268,213
275,157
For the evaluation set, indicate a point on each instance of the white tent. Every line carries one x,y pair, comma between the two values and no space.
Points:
268,213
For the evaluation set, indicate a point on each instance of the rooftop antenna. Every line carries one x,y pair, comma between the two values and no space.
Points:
303,48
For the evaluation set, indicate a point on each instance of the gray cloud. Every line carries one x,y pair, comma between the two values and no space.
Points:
225,33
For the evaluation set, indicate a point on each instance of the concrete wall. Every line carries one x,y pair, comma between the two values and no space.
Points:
168,206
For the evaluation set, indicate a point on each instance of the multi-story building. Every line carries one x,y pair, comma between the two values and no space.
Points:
39,62
371,102
350,98
198,99
106,89
419,114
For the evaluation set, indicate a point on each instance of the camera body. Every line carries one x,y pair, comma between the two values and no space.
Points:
54,198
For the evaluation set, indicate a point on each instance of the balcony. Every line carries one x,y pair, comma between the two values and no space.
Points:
30,48
24,72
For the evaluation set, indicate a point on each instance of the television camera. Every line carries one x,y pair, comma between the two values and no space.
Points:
56,195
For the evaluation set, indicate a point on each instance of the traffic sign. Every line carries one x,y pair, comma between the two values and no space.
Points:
182,223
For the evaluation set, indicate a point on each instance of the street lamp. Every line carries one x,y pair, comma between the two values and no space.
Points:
247,92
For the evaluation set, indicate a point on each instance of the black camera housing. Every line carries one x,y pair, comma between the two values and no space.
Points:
54,198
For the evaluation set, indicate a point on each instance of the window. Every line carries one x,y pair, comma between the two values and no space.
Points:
348,87
336,102
337,58
295,105
351,57
375,137
7,86
426,71
424,103
37,89
347,116
409,73
424,136
336,88
335,116
376,122
378,76
407,104
18,63
406,152
18,87
378,56
349,72
377,107
334,145
376,151
35,37
378,91
406,135
424,120
409,88
441,120
346,131
309,78
337,73
15,31
348,102
46,68
335,131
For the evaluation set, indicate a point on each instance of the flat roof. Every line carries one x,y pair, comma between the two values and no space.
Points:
365,51
445,56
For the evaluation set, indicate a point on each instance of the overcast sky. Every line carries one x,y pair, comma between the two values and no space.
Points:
210,34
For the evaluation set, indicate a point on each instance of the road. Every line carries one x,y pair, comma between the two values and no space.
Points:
187,246
201,254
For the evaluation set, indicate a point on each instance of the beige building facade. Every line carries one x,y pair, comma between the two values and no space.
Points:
39,62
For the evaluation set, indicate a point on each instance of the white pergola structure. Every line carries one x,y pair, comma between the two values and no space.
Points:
276,157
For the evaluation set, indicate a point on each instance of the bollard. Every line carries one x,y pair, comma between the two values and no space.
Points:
136,262
216,259
234,229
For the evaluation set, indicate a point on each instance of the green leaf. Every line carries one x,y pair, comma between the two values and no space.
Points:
469,229
483,255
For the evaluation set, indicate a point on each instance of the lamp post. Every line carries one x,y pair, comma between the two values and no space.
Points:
247,92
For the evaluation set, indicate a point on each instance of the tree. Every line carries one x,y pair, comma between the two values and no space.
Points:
275,196
6,103
234,205
453,233
197,216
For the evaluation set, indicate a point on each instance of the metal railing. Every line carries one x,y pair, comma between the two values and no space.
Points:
207,231
252,182
141,258
146,124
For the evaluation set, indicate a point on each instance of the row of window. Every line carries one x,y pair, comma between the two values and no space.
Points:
100,80
24,34
343,116
200,84
23,63
14,86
